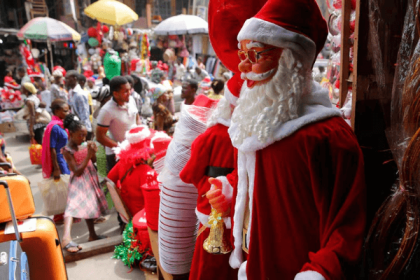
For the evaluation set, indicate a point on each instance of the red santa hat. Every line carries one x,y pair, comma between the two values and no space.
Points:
225,21
137,134
159,143
297,25
32,73
233,89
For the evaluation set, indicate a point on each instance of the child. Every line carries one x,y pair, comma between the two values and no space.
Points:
85,197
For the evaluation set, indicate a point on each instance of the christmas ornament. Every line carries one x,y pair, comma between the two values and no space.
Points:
216,243
93,42
92,32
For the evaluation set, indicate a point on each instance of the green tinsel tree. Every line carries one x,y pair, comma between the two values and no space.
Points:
128,251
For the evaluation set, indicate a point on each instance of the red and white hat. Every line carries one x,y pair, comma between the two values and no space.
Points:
137,134
225,22
297,25
233,89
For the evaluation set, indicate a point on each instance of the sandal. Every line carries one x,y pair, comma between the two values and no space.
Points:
72,244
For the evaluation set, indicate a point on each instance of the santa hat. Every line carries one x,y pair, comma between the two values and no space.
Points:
10,83
159,143
225,21
233,89
137,134
32,73
297,25
203,101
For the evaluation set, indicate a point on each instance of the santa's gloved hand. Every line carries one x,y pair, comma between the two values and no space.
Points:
217,199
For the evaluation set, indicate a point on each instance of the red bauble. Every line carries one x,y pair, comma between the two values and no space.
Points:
92,32
105,29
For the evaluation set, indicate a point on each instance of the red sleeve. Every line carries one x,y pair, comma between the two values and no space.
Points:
195,169
343,211
113,174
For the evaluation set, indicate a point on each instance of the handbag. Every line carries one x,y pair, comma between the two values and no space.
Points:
54,194
35,153
41,115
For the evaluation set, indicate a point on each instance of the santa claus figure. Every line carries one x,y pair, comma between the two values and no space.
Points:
299,199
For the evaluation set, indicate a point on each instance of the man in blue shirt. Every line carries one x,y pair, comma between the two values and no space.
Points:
79,101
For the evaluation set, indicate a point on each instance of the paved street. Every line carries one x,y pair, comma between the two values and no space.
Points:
100,267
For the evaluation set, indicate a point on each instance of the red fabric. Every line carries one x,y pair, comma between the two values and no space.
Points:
300,16
131,192
203,101
235,84
212,148
207,266
226,18
309,204
151,193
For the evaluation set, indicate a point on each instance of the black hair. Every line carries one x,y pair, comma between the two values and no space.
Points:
72,73
81,78
57,104
116,82
217,86
72,123
105,81
130,80
193,83
58,62
21,69
138,86
8,71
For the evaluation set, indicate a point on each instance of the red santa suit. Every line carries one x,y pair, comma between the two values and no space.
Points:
301,189
212,155
132,167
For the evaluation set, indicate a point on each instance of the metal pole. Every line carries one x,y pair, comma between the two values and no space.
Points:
51,55
193,10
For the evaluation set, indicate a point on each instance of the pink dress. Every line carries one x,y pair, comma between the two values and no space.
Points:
85,198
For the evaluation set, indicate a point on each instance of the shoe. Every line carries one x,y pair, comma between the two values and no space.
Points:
150,264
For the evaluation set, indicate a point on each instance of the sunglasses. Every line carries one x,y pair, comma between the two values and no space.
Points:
252,55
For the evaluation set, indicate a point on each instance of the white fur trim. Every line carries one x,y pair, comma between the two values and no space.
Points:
259,30
313,107
134,138
221,114
309,275
242,271
203,218
124,145
229,96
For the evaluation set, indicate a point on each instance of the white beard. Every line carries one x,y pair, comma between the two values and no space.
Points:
264,107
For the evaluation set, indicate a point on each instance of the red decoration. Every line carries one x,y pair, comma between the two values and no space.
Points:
105,29
88,73
92,32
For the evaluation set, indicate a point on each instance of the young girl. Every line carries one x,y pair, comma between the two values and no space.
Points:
85,198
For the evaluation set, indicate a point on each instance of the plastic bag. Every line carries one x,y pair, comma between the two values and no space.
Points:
35,153
54,194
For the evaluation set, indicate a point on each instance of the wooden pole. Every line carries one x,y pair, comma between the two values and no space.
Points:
355,65
345,49
149,15
173,7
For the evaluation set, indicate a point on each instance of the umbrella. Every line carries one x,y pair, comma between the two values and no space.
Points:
111,12
182,24
48,29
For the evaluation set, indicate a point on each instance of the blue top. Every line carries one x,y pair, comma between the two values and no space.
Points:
58,140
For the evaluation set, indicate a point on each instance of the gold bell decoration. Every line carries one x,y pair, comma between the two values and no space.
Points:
216,243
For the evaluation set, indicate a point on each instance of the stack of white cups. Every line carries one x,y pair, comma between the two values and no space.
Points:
177,218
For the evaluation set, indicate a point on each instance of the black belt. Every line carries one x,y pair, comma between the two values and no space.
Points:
214,171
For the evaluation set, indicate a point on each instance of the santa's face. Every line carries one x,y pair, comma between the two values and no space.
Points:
259,62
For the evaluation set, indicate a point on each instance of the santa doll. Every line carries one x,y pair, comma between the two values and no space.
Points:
212,155
129,174
299,200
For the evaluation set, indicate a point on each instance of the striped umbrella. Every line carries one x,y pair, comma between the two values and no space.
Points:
48,29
